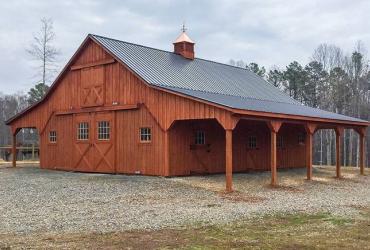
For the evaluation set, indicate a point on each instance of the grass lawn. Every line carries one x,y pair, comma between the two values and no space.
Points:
295,231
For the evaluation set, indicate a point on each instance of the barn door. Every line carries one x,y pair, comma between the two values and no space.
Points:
83,157
92,86
103,144
94,142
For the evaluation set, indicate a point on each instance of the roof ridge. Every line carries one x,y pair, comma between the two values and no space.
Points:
167,51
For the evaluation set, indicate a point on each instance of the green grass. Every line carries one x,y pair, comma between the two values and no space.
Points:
281,231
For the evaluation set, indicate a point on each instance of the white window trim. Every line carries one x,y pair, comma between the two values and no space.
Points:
145,134
53,136
103,130
83,131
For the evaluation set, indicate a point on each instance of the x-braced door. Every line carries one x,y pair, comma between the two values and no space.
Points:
94,142
92,86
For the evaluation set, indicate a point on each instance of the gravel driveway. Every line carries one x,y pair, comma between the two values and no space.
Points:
33,200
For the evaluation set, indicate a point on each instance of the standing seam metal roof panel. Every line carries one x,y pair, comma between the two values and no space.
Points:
211,81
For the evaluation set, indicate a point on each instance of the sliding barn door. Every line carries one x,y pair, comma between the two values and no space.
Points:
94,142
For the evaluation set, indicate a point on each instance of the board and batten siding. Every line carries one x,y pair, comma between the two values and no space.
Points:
158,109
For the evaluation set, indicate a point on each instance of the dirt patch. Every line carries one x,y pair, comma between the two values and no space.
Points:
241,197
285,188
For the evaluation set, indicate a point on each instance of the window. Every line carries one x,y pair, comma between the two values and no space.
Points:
53,136
252,142
200,138
103,130
145,134
83,131
301,138
280,142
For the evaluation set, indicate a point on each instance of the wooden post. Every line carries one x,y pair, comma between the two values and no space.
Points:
166,153
273,159
362,154
362,133
309,155
310,130
274,129
33,151
229,160
338,146
14,150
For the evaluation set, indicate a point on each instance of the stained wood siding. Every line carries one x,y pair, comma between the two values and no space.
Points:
158,110
187,158
134,156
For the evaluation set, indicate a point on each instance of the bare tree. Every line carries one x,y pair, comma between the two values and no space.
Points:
43,51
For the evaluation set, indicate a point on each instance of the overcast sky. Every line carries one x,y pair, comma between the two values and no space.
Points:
269,32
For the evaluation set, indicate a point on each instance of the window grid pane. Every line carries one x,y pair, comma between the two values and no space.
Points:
103,130
53,136
200,138
252,142
83,131
145,134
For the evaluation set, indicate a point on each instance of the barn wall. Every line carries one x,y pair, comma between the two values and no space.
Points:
187,158
132,155
292,154
158,109
251,159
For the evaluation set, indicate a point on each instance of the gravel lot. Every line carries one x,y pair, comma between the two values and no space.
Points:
33,200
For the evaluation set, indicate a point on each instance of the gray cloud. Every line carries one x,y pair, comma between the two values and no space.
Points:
269,32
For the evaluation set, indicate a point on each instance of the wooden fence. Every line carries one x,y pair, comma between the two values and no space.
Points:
29,152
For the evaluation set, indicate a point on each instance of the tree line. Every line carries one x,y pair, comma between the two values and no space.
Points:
332,80
42,51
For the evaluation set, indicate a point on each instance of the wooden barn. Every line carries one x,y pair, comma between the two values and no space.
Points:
119,107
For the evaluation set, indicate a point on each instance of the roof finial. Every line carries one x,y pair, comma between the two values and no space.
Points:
183,29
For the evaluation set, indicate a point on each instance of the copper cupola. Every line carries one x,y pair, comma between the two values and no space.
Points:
184,45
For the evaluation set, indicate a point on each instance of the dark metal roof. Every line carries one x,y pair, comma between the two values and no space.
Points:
237,102
167,69
218,83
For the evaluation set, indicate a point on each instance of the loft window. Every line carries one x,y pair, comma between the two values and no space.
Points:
280,142
83,131
301,138
252,142
200,137
145,134
103,130
53,136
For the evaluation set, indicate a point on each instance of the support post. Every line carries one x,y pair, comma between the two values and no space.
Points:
362,154
229,160
362,133
14,150
338,146
166,153
273,159
309,155
274,129
310,130
33,151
